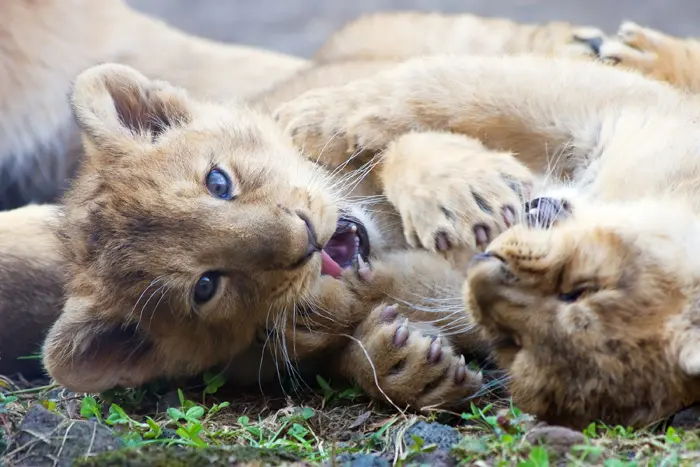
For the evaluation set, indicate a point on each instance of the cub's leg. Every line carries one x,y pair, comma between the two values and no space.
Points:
408,34
547,111
31,285
408,363
450,190
552,129
654,54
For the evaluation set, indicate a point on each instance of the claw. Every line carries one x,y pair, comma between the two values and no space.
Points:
508,216
389,313
442,242
482,236
460,374
401,336
435,351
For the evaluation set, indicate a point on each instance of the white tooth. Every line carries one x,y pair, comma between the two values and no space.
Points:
363,269
353,228
361,262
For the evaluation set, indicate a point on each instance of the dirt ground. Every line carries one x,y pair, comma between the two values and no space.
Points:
301,26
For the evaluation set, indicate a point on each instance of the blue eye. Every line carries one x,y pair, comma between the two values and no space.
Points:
206,287
219,184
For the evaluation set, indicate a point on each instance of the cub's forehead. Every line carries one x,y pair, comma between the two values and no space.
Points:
231,138
238,125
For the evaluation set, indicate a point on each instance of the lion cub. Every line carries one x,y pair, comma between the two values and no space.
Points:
195,232
590,302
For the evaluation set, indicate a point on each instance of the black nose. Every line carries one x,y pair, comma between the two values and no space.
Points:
477,258
544,212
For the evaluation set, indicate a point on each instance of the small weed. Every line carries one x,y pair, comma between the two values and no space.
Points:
212,383
417,448
538,458
331,395
6,399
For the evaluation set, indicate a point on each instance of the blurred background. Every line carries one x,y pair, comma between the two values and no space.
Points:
300,26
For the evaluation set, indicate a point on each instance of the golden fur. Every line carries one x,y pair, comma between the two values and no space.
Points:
593,313
125,288
44,44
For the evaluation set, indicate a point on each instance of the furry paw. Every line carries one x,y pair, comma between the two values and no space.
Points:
451,191
330,124
634,47
410,363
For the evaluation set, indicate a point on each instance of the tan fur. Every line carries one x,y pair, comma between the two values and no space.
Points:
622,152
44,44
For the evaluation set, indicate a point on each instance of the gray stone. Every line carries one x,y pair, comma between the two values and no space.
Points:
47,439
558,439
433,459
687,419
361,460
433,433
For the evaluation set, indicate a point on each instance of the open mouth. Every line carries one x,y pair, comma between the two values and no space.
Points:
349,241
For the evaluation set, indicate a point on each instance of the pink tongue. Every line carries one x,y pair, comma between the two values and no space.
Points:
329,267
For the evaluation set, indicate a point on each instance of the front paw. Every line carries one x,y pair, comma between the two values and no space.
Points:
634,47
333,124
409,363
451,191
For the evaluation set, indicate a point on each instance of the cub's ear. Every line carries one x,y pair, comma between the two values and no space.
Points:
116,104
86,353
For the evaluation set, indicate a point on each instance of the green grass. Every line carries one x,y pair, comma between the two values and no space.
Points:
318,427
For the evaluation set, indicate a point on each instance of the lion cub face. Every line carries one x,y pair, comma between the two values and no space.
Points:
593,318
189,228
